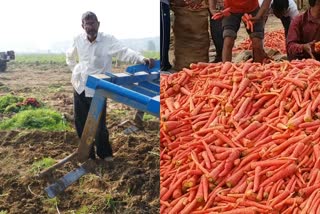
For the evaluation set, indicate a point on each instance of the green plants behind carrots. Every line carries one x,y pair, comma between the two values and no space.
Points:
42,119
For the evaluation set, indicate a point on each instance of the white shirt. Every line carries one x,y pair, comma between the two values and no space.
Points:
96,58
292,9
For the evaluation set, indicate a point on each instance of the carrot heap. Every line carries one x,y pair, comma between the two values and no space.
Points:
241,138
274,40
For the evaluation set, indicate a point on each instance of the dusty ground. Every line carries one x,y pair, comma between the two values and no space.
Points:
130,186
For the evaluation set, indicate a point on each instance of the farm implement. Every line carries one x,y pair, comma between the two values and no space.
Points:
4,58
138,88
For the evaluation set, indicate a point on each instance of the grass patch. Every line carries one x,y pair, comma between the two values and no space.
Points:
38,59
3,212
148,117
111,203
86,209
52,203
8,100
44,163
55,87
4,88
42,119
151,54
119,112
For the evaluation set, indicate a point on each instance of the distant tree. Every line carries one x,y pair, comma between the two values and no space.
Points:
151,46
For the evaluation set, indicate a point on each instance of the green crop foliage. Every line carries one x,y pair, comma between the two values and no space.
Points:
44,163
40,59
151,54
52,203
86,210
148,117
8,100
43,119
110,202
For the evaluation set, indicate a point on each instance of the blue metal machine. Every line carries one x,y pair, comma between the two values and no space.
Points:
138,88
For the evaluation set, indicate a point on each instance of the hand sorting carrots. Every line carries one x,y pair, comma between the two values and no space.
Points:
220,15
317,47
246,19
241,138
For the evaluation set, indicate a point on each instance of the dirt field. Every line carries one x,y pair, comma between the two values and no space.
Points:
131,185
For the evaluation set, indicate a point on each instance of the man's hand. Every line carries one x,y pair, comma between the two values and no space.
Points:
256,18
150,62
308,47
213,11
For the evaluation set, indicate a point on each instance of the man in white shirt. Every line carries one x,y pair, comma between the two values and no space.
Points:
94,51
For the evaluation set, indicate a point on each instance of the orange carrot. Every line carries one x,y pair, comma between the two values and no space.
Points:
256,178
229,162
223,138
188,208
253,126
290,170
308,190
246,210
179,206
234,178
172,187
242,86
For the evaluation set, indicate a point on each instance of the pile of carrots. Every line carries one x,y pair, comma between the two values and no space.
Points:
273,40
241,138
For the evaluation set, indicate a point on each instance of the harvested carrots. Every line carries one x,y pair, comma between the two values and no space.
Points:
273,40
243,141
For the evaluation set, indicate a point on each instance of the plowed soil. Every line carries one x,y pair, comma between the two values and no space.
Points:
129,185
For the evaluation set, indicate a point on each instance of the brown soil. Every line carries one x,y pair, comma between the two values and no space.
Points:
130,185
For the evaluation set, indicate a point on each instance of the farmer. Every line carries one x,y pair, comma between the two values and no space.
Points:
304,31
164,35
94,51
285,10
231,25
216,29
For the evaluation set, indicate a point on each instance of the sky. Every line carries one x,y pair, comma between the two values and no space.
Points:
38,24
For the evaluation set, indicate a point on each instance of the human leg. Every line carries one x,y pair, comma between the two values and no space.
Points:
81,108
257,49
217,37
257,39
104,148
286,24
230,26
228,43
164,36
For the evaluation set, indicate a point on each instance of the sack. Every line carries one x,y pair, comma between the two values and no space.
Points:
191,37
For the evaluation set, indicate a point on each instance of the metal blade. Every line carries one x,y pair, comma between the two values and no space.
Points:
65,181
